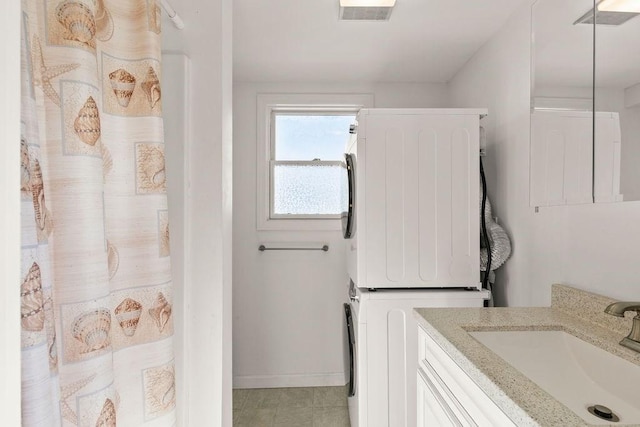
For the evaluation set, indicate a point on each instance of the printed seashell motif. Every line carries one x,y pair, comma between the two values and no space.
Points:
104,22
161,312
155,16
53,355
32,300
107,417
87,124
151,87
128,314
92,329
151,166
42,216
122,83
25,169
164,388
168,387
159,177
113,259
78,20
49,324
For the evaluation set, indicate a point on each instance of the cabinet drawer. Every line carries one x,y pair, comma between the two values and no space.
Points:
464,398
436,404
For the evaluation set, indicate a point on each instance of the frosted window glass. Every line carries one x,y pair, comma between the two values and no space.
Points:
307,189
308,137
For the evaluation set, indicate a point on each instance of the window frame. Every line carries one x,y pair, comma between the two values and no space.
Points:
268,106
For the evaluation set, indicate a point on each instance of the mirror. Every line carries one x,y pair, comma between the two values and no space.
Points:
568,164
617,92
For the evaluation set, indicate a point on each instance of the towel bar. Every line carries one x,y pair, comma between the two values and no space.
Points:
263,248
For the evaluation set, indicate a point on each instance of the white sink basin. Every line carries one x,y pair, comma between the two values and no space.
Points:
573,371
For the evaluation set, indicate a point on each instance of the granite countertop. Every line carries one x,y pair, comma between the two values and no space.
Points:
576,312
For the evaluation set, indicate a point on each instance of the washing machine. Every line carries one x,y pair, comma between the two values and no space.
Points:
381,351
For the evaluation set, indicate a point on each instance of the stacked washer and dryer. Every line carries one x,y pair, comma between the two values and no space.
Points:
411,221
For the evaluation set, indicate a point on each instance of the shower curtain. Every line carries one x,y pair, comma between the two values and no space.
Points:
95,295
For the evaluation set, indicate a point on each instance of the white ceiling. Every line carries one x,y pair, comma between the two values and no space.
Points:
303,40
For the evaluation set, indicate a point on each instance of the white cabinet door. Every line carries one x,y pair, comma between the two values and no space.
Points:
431,410
421,214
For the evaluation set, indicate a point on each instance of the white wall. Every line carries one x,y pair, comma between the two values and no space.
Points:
206,40
593,247
287,306
10,213
175,101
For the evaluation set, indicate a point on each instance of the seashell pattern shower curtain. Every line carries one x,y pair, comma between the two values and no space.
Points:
95,293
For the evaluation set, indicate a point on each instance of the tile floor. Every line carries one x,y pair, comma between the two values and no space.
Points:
291,407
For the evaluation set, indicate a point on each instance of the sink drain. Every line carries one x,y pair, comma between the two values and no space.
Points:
603,412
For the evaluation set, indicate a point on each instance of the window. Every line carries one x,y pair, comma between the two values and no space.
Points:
307,147
301,143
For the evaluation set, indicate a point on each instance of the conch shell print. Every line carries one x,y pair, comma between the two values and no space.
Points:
161,312
32,301
123,83
25,168
104,22
128,314
151,87
107,417
78,21
92,329
160,389
87,124
43,220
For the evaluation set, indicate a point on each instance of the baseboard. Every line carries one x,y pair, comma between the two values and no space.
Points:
277,381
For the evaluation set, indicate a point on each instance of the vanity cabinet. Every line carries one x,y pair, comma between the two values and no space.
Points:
447,396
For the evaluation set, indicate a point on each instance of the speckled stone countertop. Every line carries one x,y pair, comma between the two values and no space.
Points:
576,312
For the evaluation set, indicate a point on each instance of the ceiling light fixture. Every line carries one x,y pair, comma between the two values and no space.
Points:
632,6
367,3
366,10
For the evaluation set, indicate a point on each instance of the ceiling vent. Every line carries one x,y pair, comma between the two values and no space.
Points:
366,10
606,18
611,12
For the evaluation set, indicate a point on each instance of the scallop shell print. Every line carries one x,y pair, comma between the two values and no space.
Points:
79,22
128,315
151,87
123,83
25,169
92,329
32,300
87,124
107,417
161,312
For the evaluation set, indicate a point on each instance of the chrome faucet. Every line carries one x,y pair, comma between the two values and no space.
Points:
618,309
